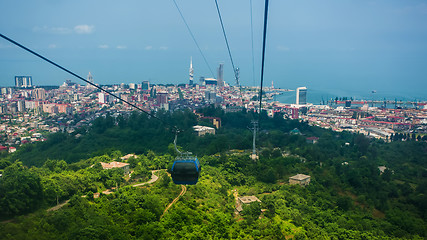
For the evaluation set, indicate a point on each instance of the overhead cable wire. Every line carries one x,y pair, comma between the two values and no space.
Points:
264,38
252,43
88,82
226,40
194,39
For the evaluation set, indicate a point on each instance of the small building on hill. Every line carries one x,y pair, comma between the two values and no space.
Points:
128,156
300,179
312,140
111,165
295,131
2,148
245,200
202,130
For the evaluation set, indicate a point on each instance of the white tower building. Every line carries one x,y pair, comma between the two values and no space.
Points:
301,96
191,72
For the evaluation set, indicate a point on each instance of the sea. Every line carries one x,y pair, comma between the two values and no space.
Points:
318,96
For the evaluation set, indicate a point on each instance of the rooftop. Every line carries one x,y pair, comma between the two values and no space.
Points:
249,199
113,165
300,177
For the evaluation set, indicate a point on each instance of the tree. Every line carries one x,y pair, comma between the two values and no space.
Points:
20,190
344,203
362,144
252,211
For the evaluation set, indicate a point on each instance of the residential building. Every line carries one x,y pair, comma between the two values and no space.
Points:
202,130
220,75
245,200
300,179
312,140
145,85
301,96
23,81
111,165
39,93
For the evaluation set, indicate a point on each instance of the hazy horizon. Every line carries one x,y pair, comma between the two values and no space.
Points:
335,46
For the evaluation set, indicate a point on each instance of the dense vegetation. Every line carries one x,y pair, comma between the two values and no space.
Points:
138,133
348,197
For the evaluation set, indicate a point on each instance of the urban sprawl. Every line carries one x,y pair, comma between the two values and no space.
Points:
28,112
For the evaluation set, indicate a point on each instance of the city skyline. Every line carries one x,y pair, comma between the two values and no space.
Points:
334,46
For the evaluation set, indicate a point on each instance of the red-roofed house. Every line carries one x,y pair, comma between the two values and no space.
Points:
312,140
2,148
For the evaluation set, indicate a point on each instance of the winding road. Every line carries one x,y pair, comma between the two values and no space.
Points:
152,180
183,191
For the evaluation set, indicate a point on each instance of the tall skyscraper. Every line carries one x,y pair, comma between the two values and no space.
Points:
191,72
145,85
301,96
23,81
220,75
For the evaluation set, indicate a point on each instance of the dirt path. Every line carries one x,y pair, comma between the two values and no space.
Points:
152,180
183,191
58,206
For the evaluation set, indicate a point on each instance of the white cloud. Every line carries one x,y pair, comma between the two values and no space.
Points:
121,47
148,47
163,48
104,46
84,29
60,30
52,46
283,48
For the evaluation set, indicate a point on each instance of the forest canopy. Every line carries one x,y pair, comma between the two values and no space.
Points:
349,196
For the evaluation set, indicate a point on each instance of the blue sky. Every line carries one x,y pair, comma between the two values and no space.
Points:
332,45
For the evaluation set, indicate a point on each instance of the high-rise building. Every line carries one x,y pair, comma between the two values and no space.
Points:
301,96
220,75
103,98
145,85
162,100
295,113
191,72
39,93
23,81
21,106
210,97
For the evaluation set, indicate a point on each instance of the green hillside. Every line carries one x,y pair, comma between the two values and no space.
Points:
348,197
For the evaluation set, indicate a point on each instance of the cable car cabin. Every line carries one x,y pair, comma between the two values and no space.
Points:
185,170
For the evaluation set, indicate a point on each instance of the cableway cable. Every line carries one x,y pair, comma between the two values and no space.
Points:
79,77
263,54
252,43
226,40
192,36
